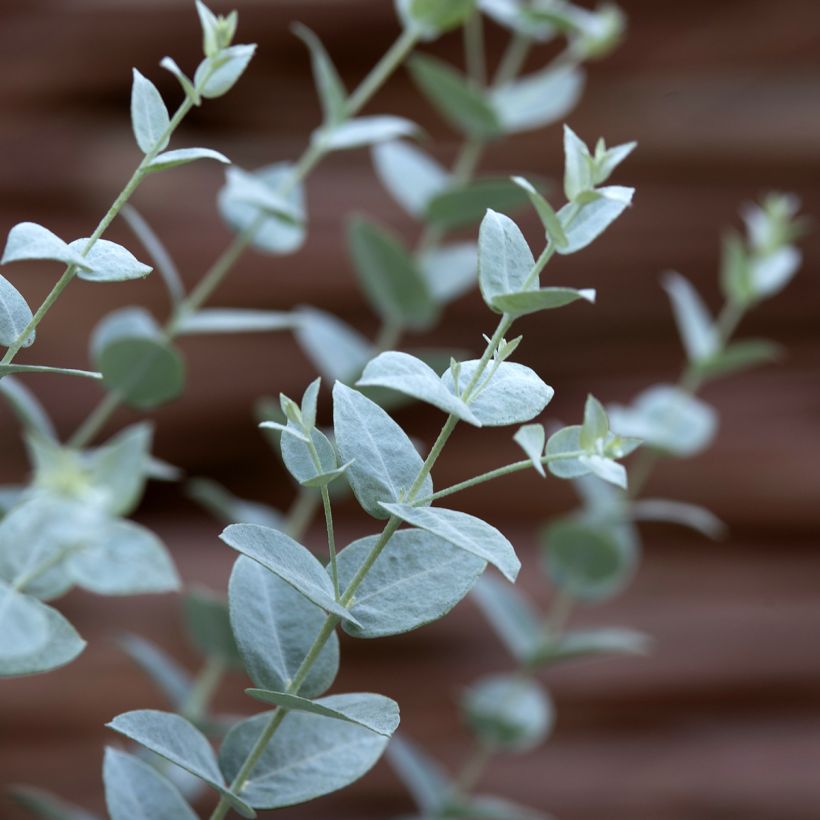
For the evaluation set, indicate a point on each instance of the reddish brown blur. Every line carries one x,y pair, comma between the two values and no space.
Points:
722,722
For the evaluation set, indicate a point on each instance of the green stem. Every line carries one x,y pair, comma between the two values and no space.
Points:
472,770
388,336
20,583
394,57
331,540
512,61
474,49
499,472
560,610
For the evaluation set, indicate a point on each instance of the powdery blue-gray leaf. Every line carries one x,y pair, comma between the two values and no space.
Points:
510,712
298,456
15,314
411,176
27,408
374,712
411,376
286,559
26,653
771,272
577,166
275,627
518,17
232,63
590,561
515,620
580,643
562,443
172,680
207,623
667,418
135,790
28,240
337,350
606,469
533,301
463,204
178,740
149,116
118,470
309,756
697,330
169,64
424,778
390,276
235,320
25,627
549,219
157,252
738,356
273,234
364,131
678,512
450,270
513,395
43,530
123,558
332,93
136,360
417,578
583,224
231,509
432,17
463,105
464,531
538,99
43,804
182,156
531,438
505,260
251,189
385,462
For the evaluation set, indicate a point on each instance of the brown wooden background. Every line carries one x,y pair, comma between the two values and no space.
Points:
723,720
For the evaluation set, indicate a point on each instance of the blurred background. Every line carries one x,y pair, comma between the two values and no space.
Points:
723,719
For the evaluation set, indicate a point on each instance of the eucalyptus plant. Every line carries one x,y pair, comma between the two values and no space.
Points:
591,555
285,605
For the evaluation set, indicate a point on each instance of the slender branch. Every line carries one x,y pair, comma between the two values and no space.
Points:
301,512
331,621
499,472
310,158
474,51
331,540
690,380
123,197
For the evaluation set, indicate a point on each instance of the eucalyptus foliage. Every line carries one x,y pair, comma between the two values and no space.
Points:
69,525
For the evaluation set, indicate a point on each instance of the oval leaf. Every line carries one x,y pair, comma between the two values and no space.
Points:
417,579
275,627
286,559
374,712
309,756
411,376
464,531
134,790
385,462
513,395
